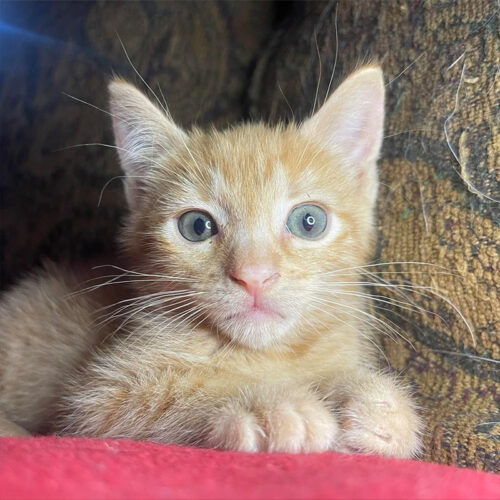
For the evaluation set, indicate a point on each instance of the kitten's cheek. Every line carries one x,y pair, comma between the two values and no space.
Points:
169,233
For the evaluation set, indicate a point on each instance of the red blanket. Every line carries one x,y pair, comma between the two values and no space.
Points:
66,468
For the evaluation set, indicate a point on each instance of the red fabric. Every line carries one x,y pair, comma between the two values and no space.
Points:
50,467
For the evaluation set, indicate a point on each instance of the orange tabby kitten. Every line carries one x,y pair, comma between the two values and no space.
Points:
239,323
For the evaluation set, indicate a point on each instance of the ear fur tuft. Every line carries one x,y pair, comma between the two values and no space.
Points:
351,122
144,135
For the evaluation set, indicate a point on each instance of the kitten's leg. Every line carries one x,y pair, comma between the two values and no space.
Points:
377,415
8,428
46,330
195,407
274,420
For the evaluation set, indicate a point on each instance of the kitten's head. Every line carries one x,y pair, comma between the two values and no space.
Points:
250,222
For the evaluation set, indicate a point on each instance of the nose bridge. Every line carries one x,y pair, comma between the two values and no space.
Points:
253,251
253,260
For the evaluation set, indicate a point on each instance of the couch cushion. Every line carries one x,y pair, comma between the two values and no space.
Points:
83,469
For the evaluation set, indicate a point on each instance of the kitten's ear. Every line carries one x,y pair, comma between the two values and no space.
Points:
351,123
144,136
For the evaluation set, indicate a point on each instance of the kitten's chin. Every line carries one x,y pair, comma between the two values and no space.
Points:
256,329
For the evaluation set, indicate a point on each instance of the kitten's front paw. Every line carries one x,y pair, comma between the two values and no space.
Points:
379,417
293,422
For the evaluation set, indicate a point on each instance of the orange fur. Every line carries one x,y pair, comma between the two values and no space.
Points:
187,365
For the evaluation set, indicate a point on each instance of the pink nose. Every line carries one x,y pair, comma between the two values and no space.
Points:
254,278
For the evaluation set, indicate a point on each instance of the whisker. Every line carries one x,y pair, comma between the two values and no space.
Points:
287,103
92,106
117,281
329,313
145,303
319,76
371,316
134,154
408,306
406,69
179,319
466,355
391,263
150,295
182,302
336,54
139,75
139,273
419,290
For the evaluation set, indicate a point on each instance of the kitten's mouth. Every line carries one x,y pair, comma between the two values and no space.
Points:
257,312
256,323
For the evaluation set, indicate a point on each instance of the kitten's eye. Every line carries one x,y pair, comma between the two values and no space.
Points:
307,221
196,226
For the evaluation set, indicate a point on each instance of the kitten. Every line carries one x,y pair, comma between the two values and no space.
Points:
240,323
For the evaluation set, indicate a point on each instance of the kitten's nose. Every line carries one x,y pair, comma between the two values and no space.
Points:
254,278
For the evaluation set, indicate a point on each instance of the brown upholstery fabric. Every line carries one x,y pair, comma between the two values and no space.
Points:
432,208
435,201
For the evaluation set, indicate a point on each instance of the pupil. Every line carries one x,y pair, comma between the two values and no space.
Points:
199,226
308,222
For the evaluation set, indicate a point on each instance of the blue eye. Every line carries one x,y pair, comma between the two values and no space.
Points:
196,226
307,221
